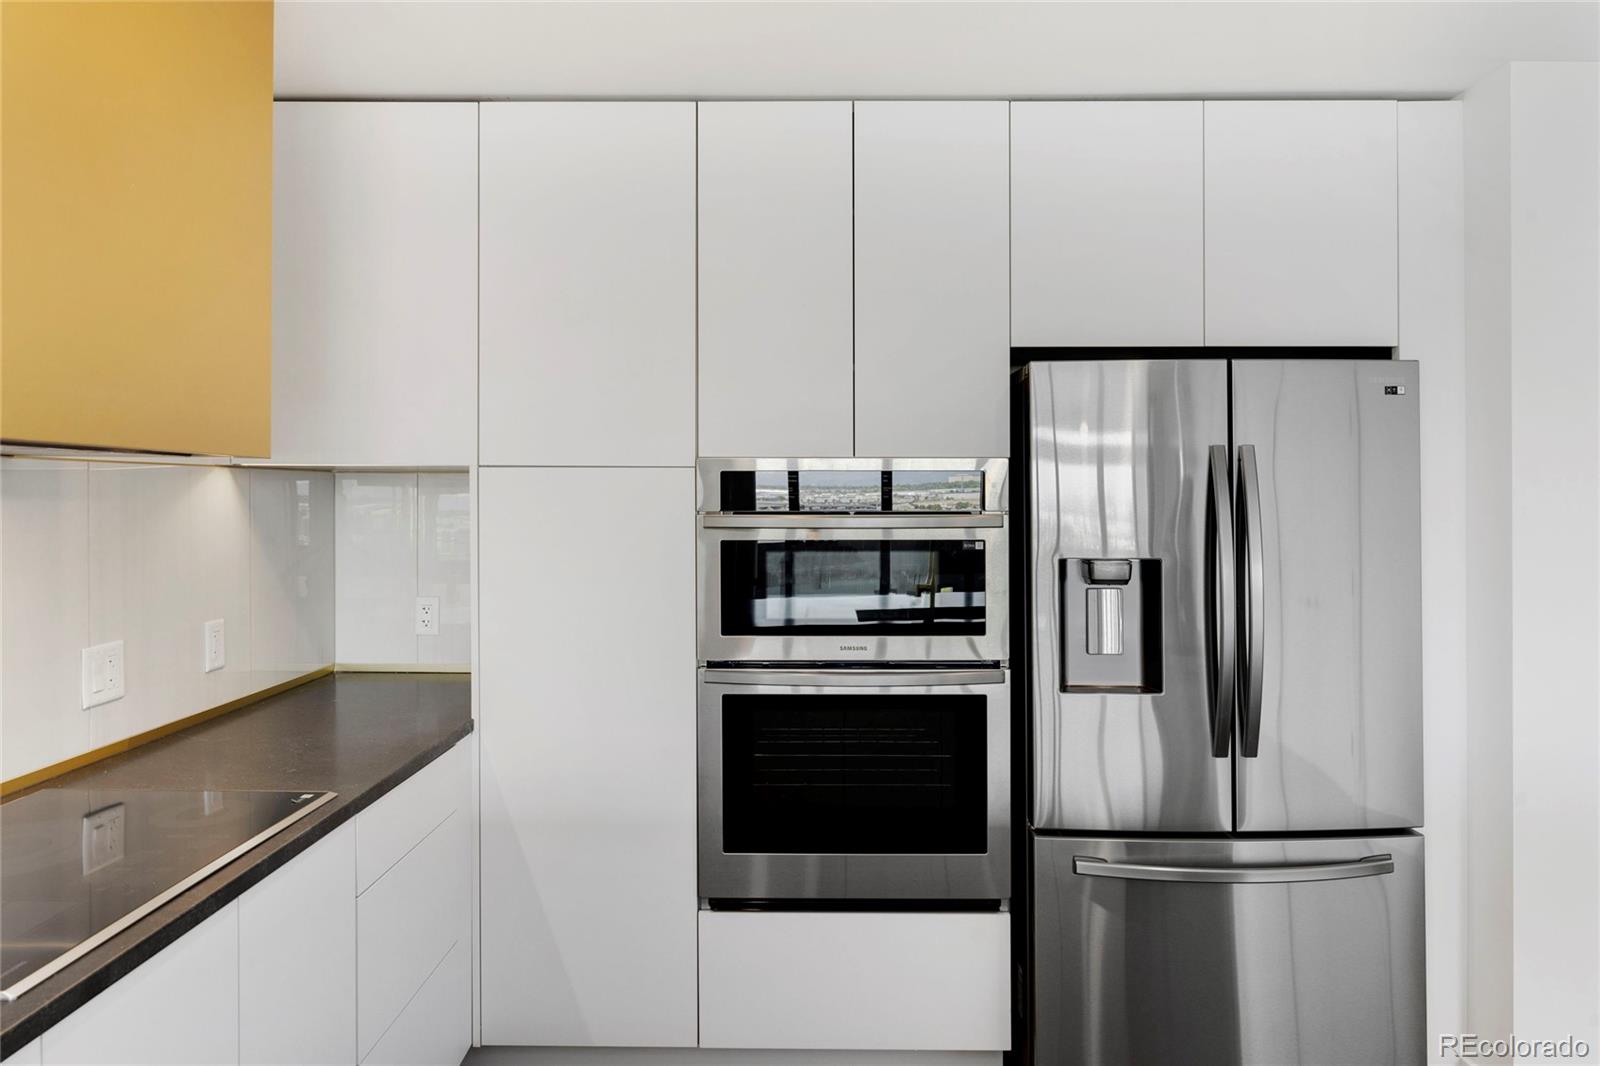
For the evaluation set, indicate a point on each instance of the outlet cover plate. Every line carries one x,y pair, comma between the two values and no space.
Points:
103,677
427,616
102,838
216,646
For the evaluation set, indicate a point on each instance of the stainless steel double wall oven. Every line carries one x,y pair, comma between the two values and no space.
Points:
854,692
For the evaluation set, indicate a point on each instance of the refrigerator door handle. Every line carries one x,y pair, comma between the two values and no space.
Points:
1220,617
1371,866
1252,601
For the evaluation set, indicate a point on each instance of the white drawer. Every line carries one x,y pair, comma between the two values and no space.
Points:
858,981
396,823
406,923
435,1028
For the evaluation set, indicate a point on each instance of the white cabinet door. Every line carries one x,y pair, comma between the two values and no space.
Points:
587,756
180,1006
775,294
27,1055
587,284
856,981
933,352
297,959
403,817
374,286
1107,224
1301,229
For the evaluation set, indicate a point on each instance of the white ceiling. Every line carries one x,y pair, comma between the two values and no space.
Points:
463,49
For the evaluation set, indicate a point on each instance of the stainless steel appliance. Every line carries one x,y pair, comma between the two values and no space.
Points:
855,711
855,783
1224,611
78,866
853,560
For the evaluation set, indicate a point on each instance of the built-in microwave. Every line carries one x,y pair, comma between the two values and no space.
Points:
848,560
854,783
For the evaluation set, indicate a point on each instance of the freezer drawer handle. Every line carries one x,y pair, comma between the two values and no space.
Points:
1371,866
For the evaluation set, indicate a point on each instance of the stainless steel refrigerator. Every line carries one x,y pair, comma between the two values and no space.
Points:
1224,694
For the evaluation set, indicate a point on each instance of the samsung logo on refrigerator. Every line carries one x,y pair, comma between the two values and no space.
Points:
854,647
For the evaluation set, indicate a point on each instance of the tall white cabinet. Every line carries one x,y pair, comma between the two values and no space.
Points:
587,235
374,283
932,345
1107,223
1301,231
774,279
587,689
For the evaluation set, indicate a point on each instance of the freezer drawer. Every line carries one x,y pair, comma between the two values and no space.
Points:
1222,952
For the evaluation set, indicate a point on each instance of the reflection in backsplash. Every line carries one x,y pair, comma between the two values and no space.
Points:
148,553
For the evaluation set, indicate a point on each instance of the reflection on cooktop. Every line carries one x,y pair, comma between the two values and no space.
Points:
79,865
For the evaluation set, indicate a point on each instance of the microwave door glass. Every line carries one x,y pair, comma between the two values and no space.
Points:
858,586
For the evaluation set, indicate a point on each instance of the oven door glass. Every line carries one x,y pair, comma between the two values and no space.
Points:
840,587
854,774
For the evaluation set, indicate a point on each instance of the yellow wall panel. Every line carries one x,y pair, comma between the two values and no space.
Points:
136,225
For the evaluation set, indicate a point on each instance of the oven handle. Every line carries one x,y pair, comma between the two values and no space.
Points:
850,677
935,520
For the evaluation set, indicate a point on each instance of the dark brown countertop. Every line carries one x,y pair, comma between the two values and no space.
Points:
359,735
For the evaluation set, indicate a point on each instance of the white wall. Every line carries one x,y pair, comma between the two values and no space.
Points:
401,535
1530,928
448,48
146,554
1555,547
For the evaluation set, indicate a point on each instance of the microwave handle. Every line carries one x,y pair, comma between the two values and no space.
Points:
852,677
793,520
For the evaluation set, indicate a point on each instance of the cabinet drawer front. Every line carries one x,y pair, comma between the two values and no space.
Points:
406,923
931,982
397,822
436,1026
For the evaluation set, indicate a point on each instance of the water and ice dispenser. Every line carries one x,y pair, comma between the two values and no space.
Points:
1111,636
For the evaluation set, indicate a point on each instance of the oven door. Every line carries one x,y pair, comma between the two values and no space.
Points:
840,588
855,784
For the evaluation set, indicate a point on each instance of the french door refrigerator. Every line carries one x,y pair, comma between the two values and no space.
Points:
1225,743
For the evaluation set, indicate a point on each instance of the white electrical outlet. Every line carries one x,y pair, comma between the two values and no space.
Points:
216,647
427,616
102,674
102,838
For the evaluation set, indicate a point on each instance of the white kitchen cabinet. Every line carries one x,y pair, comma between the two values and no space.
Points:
932,337
1301,234
180,1006
775,279
435,1028
587,284
403,817
1107,224
587,756
855,980
297,959
375,272
406,924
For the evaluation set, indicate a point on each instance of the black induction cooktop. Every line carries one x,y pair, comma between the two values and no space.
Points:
77,866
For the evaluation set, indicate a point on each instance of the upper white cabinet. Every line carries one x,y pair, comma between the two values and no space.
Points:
1301,231
1107,224
775,279
587,284
374,286
587,694
932,347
